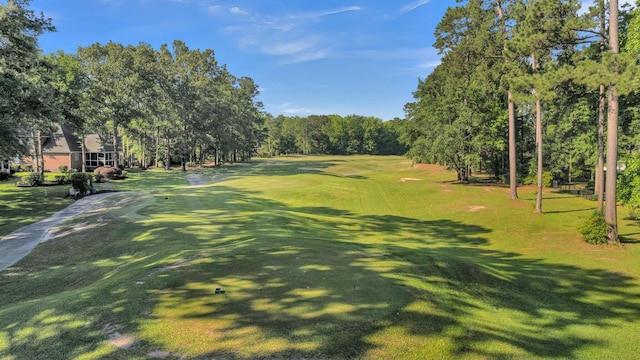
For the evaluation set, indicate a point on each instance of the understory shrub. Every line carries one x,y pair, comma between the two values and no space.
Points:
99,177
28,167
81,182
4,175
33,179
108,172
15,168
629,185
63,168
61,179
532,179
594,229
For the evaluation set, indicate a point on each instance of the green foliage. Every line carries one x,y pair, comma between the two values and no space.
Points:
4,175
629,185
15,168
33,179
108,172
98,177
333,134
81,182
532,178
26,95
28,167
63,168
594,229
61,179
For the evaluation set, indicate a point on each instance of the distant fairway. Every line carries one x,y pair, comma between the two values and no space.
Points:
323,257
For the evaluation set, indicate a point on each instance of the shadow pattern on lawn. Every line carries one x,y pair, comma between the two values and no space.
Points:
301,282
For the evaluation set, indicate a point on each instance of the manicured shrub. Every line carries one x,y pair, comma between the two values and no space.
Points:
63,168
61,179
98,177
28,167
81,182
108,172
33,179
594,229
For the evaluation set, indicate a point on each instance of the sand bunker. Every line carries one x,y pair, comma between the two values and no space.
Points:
476,208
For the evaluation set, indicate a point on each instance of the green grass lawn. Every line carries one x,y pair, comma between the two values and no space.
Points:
319,257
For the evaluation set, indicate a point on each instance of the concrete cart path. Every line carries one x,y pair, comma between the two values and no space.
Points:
19,243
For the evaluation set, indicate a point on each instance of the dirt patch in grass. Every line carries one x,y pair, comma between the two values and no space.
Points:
409,179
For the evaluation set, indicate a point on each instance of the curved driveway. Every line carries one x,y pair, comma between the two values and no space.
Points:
19,243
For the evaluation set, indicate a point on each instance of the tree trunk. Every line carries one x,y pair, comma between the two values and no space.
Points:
611,213
116,147
539,150
39,156
167,160
599,188
534,66
513,167
84,152
157,152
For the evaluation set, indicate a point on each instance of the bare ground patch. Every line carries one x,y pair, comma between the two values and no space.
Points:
409,179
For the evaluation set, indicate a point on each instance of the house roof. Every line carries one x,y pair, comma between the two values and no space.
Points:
62,140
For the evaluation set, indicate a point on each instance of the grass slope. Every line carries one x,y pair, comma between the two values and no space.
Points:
322,257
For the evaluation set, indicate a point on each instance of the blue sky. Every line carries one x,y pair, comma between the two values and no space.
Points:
309,57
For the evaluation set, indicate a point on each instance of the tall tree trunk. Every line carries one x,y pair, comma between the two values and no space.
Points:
84,152
534,66
611,213
157,152
599,188
116,147
39,156
513,167
167,160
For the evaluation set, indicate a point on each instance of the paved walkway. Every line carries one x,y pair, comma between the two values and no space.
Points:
19,243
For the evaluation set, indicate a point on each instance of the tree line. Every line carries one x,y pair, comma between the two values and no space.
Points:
530,91
332,134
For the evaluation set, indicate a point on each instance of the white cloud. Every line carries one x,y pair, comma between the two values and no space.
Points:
215,9
410,7
238,11
274,34
329,12
288,48
306,56
286,108
429,64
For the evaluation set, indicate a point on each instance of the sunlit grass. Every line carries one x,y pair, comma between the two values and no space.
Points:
324,257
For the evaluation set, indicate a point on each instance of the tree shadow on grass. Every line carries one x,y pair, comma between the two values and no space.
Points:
311,282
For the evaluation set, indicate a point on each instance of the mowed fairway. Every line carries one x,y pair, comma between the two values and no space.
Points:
323,257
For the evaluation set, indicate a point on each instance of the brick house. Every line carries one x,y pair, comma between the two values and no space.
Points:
62,147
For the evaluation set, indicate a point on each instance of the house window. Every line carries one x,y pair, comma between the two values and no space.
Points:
95,160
